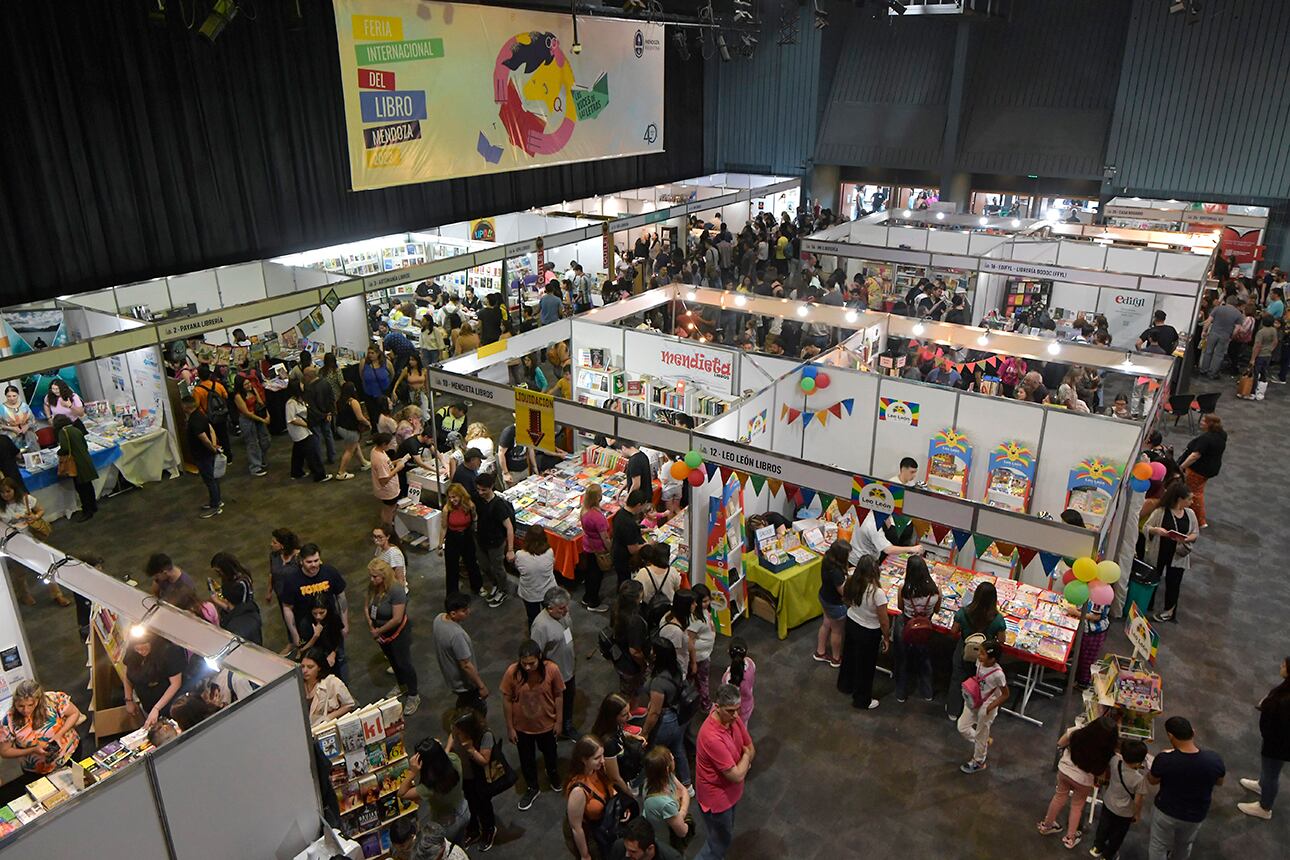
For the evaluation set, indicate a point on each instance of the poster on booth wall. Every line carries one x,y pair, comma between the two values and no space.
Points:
439,91
713,368
1127,312
535,419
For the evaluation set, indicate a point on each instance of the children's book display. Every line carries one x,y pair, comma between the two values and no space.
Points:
725,548
949,459
674,535
1039,627
1126,688
1012,477
368,761
1090,488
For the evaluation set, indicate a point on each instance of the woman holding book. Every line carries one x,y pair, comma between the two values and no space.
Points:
325,694
39,729
154,672
1171,532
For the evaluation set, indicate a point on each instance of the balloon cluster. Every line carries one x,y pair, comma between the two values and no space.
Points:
1090,580
814,379
690,468
1143,474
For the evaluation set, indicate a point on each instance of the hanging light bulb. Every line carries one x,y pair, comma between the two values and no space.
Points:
1054,348
139,629
919,328
216,660
740,301
983,340
852,316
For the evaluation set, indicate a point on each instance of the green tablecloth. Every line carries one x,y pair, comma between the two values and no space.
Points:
796,591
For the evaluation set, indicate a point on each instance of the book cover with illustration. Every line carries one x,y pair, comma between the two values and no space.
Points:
373,728
350,730
376,755
392,716
394,748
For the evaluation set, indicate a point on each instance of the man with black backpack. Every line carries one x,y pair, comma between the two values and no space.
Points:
212,400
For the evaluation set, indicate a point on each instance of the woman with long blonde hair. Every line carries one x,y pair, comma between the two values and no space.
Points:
40,729
457,538
387,620
478,437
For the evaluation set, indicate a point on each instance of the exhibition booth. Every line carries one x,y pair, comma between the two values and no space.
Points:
819,442
165,793
1240,229
1009,267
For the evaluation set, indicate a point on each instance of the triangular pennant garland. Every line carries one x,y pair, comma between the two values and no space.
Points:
1049,561
808,496
725,474
797,497
1026,554
939,532
823,417
921,528
1005,549
792,414
758,481
836,409
848,404
900,521
960,538
806,418
879,519
981,543
775,484
711,468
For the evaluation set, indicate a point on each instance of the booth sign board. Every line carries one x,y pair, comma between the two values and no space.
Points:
535,419
711,367
502,396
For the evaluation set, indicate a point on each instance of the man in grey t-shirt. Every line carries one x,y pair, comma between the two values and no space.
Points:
554,635
1219,329
456,654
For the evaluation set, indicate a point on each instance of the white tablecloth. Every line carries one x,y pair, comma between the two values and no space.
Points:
143,459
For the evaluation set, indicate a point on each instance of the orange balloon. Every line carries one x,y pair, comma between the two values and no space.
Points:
1142,471
680,471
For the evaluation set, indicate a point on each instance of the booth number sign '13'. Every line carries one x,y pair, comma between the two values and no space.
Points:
535,419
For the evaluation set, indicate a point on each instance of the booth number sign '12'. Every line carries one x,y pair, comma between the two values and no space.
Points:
535,419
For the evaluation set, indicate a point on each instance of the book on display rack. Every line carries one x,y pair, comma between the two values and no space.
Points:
369,760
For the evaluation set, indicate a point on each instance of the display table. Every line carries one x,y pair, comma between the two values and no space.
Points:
1040,632
796,591
421,523
140,460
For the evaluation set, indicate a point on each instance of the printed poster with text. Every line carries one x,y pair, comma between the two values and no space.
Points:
438,90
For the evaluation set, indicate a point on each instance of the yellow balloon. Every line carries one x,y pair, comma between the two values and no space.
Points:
1085,569
1108,571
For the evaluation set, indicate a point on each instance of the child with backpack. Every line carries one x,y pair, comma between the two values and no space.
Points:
983,693
1122,798
742,674
918,600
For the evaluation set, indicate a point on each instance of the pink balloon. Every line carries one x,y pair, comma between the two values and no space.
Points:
697,477
1157,471
1101,593
822,380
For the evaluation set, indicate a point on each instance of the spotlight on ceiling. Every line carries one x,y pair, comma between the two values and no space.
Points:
221,14
896,6
682,44
821,17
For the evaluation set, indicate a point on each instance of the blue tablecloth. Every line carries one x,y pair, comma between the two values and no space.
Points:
48,477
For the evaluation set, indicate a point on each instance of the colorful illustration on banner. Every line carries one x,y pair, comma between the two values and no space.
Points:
483,230
1090,487
878,496
1145,640
949,458
535,419
898,411
1011,477
756,425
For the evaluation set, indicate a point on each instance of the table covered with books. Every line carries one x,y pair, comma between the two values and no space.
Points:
788,565
553,500
1040,630
137,450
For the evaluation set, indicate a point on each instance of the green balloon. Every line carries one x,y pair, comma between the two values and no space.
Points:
1076,592
808,384
693,459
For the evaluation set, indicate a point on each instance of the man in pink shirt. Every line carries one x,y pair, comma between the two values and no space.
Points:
725,752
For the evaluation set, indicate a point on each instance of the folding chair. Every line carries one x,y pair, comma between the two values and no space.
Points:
1180,405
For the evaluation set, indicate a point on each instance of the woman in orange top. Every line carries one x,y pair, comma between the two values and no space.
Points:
588,790
385,476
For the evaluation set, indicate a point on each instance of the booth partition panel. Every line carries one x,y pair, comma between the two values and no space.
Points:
243,785
121,822
930,408
1070,438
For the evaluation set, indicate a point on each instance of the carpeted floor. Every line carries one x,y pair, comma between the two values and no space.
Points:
828,781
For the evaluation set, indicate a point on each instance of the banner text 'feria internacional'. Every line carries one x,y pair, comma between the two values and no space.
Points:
440,90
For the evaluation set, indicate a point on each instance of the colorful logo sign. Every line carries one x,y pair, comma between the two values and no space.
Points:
483,230
898,411
1094,472
877,496
950,441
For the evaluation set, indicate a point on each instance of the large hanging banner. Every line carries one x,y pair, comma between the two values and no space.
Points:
437,90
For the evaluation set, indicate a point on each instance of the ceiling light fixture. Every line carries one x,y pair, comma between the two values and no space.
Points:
216,660
852,316
802,311
983,340
48,576
741,301
940,216
918,329
139,629
691,296
908,213
984,220
1054,348
1016,222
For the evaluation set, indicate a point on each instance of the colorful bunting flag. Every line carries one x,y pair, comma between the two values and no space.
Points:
808,496
836,409
823,417
960,538
921,528
725,474
775,484
879,519
1026,554
848,404
711,469
900,521
758,481
1005,549
939,532
981,543
806,418
1049,561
